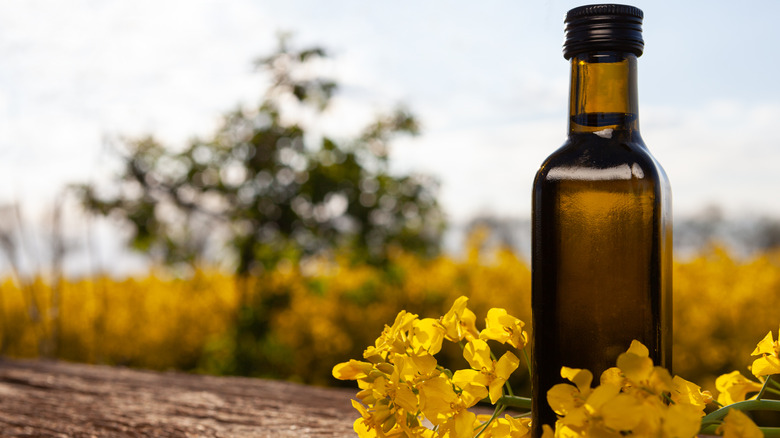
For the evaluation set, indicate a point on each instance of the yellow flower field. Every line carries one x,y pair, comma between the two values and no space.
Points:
296,322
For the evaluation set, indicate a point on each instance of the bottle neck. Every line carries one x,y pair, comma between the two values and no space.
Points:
603,95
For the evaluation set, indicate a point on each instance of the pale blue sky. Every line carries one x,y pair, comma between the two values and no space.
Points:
487,80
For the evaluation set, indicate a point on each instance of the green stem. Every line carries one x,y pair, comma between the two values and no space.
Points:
528,364
763,388
748,405
769,432
496,412
515,402
509,388
776,384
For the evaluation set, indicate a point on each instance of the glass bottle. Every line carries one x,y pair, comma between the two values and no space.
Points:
601,219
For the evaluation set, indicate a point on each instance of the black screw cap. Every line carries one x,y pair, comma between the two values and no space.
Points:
602,28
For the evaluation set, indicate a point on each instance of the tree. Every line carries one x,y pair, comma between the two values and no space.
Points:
261,193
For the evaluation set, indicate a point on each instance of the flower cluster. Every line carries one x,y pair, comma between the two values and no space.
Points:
405,392
635,398
404,389
768,351
734,390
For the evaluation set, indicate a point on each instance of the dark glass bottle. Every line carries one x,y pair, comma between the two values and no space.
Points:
602,224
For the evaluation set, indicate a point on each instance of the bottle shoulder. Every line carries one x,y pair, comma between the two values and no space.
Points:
601,157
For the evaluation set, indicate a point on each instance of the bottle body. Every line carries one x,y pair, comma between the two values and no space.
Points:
601,259
602,236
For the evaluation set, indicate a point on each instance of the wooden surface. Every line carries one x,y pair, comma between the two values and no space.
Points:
56,399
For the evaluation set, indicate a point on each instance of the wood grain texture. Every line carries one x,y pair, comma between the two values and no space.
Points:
57,399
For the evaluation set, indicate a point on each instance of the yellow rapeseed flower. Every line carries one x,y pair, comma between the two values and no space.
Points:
389,391
637,367
618,411
738,425
485,372
394,338
508,427
413,368
547,432
352,370
378,421
443,407
459,322
363,426
769,362
401,360
734,387
680,420
427,335
688,393
568,401
630,400
504,328
640,375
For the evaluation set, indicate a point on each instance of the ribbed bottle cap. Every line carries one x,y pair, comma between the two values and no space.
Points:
603,27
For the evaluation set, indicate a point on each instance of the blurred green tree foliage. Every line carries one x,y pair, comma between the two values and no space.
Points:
264,193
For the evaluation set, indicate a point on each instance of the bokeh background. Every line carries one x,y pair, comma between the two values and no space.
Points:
256,187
